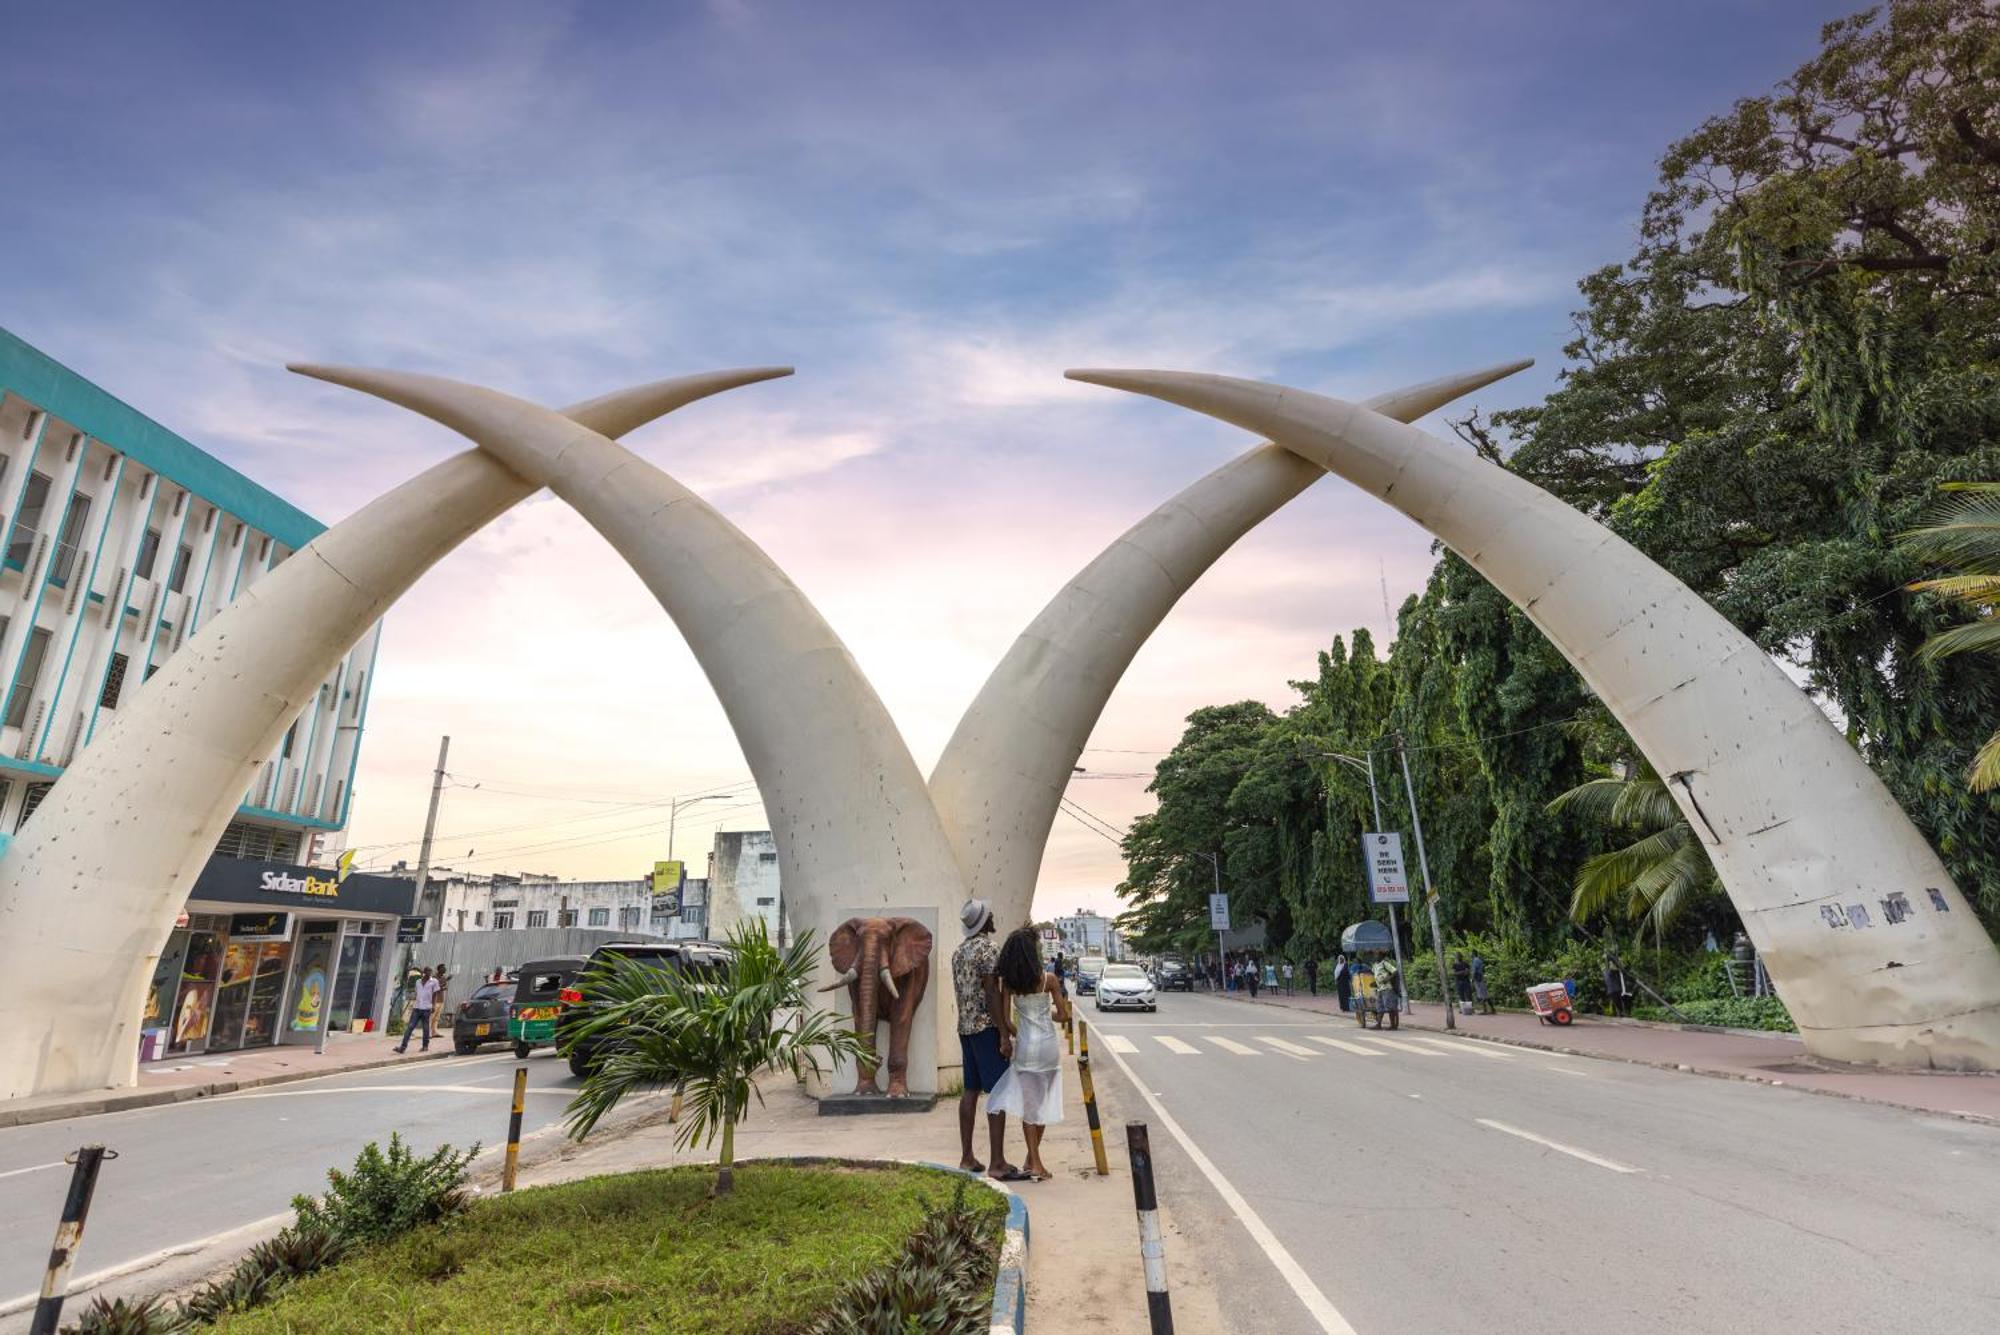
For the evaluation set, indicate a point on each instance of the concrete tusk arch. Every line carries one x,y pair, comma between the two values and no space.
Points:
87,902
1793,819
999,780
854,824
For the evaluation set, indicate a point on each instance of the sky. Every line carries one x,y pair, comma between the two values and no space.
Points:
931,211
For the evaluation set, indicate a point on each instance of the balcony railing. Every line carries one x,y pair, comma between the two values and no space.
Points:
64,564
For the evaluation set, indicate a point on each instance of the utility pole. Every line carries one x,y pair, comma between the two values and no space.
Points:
1430,894
434,912
1366,763
1221,962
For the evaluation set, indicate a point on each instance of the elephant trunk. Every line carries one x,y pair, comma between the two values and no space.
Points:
865,1018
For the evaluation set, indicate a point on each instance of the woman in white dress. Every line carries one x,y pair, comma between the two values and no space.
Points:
1032,1003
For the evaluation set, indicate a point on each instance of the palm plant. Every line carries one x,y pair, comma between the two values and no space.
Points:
1965,533
705,1035
1654,879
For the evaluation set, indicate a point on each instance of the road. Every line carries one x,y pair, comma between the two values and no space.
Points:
1422,1182
187,1171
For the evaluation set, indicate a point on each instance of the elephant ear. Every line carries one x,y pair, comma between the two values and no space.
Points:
844,946
909,946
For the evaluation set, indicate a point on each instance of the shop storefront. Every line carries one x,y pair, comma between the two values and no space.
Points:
266,953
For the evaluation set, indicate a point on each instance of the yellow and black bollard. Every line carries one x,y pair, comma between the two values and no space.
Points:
514,1128
69,1237
1090,1097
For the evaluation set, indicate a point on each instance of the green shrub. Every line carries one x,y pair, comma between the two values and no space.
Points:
129,1316
1731,1013
294,1253
942,1285
387,1194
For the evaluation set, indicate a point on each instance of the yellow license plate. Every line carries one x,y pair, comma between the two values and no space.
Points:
481,1030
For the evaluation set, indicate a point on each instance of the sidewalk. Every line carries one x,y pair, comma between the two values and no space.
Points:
1772,1059
1084,1270
178,1080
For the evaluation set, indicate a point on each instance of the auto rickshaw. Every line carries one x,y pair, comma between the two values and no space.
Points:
539,1001
1358,942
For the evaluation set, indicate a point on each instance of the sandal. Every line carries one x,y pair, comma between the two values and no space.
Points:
1013,1175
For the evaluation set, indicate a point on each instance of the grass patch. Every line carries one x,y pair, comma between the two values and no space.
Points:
638,1251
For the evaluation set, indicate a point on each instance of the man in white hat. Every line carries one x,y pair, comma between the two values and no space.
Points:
975,978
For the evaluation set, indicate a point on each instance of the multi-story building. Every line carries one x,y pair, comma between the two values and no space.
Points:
685,918
118,541
477,902
1087,933
743,883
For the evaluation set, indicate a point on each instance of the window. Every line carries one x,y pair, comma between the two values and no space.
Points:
461,920
177,581
765,902
503,922
24,680
32,799
537,917
149,552
566,918
27,523
600,917
628,918
68,542
114,682
285,751
258,843
479,918
767,857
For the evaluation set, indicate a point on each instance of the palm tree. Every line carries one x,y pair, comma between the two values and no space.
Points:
707,1035
1658,876
1965,533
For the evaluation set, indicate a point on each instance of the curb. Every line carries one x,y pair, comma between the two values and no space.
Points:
1712,1072
126,1100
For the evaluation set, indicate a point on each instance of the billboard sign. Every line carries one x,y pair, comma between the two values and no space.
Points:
1388,883
1218,912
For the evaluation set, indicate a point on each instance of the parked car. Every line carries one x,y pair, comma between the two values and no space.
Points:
1088,970
577,996
538,1001
1125,987
482,1017
1174,976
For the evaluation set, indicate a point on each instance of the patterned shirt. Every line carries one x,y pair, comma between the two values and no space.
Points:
976,959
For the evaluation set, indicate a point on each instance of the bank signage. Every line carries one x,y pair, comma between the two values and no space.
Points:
411,931
278,885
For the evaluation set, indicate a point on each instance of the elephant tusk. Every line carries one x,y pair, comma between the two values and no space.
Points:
842,981
890,983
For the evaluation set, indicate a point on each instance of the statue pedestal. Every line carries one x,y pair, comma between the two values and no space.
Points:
865,1104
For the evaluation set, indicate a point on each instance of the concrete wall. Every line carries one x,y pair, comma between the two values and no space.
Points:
470,956
743,882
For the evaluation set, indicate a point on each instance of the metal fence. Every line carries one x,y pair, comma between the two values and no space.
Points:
470,957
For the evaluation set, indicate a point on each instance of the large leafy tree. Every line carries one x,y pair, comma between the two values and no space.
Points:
1965,535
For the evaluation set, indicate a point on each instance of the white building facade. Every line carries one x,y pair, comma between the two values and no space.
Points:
743,883
1087,933
476,902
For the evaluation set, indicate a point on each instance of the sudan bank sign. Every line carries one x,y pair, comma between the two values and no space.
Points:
281,885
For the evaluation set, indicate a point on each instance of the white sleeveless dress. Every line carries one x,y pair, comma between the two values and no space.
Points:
1031,1088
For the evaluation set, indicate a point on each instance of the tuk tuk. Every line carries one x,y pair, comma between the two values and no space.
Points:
539,1000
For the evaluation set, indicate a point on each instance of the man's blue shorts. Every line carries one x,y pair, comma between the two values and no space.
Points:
983,1063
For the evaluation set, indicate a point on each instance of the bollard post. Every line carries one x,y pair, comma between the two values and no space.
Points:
514,1128
1090,1097
674,1110
69,1236
1069,1033
1152,1245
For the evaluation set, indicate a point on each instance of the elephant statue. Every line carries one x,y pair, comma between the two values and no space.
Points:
894,956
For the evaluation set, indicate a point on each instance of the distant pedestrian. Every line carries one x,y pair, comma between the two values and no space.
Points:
1290,990
1343,982
1254,975
1617,985
1312,977
499,975
1479,997
423,1000
1461,983
1388,989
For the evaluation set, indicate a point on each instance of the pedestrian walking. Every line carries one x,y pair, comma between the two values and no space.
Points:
1031,1005
1479,997
1617,984
982,1047
1253,974
1461,983
1343,982
1312,977
1290,990
1388,989
423,1000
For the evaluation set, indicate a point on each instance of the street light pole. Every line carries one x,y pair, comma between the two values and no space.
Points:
1430,895
1221,965
673,815
1366,764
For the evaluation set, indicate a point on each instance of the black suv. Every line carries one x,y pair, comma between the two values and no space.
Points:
677,956
1175,976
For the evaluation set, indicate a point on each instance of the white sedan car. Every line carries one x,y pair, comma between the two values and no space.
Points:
1125,987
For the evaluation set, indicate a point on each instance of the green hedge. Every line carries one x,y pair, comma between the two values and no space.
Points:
1729,1013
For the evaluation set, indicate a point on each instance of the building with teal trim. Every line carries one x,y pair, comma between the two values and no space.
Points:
118,541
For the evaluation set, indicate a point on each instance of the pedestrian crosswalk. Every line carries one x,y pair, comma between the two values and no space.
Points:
1360,1045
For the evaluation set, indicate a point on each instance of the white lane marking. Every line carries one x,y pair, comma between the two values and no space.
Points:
1288,1048
1563,1070
1120,1043
1560,1148
496,1090
16,1172
1346,1046
1404,1048
1325,1313
1471,1045
1231,1045
1178,1045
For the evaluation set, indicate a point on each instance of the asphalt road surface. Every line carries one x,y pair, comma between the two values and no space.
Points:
1419,1182
188,1171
